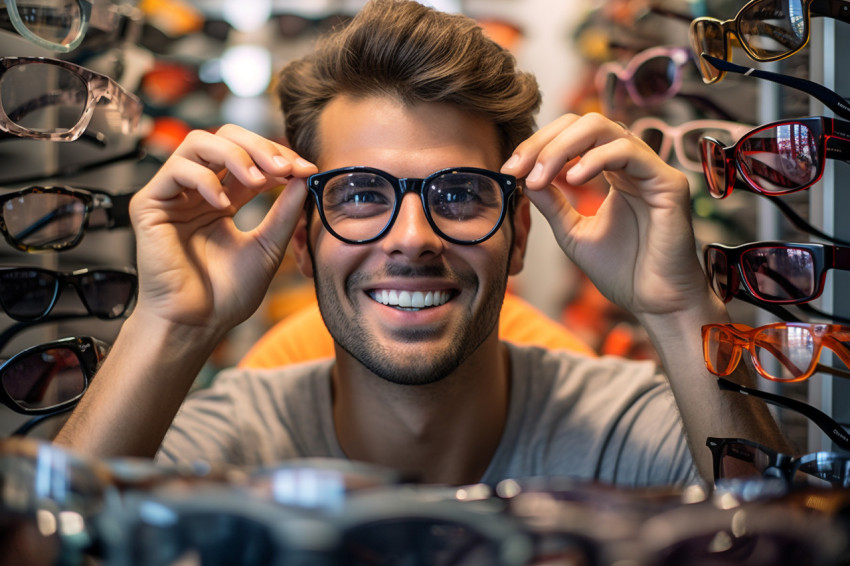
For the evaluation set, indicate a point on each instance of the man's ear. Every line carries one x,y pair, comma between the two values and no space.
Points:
301,246
522,226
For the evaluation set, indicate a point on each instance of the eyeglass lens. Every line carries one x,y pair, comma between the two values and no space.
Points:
44,220
45,99
464,206
29,294
707,37
44,378
773,274
774,160
772,28
652,80
740,460
784,353
55,21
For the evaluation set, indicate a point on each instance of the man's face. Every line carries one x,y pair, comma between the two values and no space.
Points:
357,285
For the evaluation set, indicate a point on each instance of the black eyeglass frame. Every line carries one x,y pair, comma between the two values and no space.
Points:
89,350
824,257
115,206
316,184
785,464
64,279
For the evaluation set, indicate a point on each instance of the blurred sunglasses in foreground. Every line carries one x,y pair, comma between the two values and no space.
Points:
54,100
768,30
777,158
59,25
738,458
650,77
773,272
684,139
836,432
36,219
793,349
30,293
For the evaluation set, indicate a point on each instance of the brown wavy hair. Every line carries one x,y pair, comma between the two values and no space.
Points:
412,52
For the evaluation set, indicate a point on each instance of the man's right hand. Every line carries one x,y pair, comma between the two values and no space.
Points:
196,267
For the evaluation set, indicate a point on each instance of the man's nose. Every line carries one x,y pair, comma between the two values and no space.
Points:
411,233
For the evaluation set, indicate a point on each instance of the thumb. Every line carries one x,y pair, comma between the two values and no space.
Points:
556,208
277,226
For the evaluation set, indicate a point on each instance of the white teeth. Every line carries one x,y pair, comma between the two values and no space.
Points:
411,299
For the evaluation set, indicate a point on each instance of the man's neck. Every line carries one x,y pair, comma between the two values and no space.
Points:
445,432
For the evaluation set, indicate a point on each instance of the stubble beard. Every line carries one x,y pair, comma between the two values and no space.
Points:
403,366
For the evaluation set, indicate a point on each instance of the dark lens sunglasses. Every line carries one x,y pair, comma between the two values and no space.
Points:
30,293
49,377
777,158
768,30
736,457
773,272
358,205
38,219
650,77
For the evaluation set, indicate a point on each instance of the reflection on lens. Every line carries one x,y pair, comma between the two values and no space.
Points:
707,37
43,98
464,206
26,294
786,352
779,274
358,206
771,32
780,159
107,293
44,379
714,166
43,220
56,21
654,77
722,352
718,272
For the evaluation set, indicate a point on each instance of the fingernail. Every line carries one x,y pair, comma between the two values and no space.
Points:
512,162
256,174
280,161
303,162
222,198
536,173
576,170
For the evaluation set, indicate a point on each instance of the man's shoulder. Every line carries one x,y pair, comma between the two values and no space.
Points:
563,364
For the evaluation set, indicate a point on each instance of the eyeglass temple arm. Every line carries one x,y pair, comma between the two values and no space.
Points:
792,216
776,310
830,98
836,9
10,332
707,104
830,427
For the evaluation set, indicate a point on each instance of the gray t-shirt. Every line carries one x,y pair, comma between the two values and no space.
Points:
606,418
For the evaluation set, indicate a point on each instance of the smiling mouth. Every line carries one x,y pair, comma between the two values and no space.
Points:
411,300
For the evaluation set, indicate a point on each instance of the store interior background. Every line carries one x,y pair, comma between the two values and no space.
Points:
203,63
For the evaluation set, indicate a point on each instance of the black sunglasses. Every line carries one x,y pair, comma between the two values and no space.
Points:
50,377
36,219
773,272
740,458
30,293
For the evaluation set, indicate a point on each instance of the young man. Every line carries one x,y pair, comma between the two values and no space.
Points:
420,380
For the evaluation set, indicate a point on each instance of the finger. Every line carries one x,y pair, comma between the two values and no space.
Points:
271,157
277,226
558,212
179,174
524,157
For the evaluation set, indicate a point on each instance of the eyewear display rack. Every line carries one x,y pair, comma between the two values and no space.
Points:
829,204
